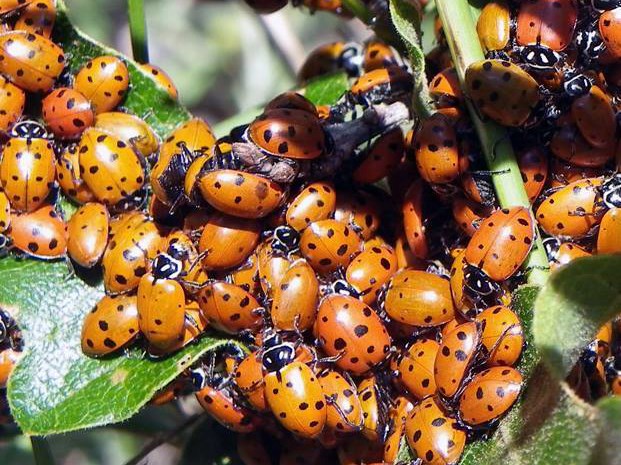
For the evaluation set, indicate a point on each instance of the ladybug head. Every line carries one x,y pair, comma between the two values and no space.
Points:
612,368
7,324
285,239
478,283
198,377
611,191
589,358
29,129
539,57
551,246
177,251
342,287
576,85
275,358
350,59
589,42
166,267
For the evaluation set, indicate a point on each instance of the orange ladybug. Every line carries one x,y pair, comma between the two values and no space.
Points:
87,234
436,150
67,113
229,308
370,270
40,234
315,202
12,102
104,81
329,244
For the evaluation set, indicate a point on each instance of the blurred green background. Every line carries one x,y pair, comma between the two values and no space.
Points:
220,56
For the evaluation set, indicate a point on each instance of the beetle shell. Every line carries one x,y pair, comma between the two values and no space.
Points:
547,22
5,212
240,194
162,78
489,395
12,101
37,17
609,232
436,150
533,164
502,242
229,308
315,202
494,25
249,379
595,117
370,270
227,241
40,234
30,61
415,368
455,358
413,220
329,244
419,298
130,129
104,80
110,325
502,335
381,158
569,145
67,113
296,399
222,405
397,416
434,436
609,24
344,410
347,326
288,133
373,412
295,299
87,234
8,360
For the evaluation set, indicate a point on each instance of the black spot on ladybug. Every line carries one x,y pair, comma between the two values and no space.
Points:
109,343
340,344
460,355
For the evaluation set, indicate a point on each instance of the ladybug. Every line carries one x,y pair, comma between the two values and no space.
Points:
608,23
361,210
195,135
328,245
478,187
572,211
221,402
378,55
248,376
344,409
110,168
40,234
292,390
37,17
181,248
5,213
418,298
31,61
397,416
295,299
69,179
347,327
481,290
381,158
130,129
374,409
494,26
292,101
329,58
27,167
161,302
272,266
568,144
502,335
104,81
11,6
468,214
161,78
457,354
227,241
444,87
194,326
609,232
433,435
381,85
246,275
289,133
436,150
547,22
67,113
229,308
239,193
414,368
370,270
131,246
9,331
111,325
87,234
595,117
502,242
413,221
613,376
533,164
489,395
502,91
8,359
12,102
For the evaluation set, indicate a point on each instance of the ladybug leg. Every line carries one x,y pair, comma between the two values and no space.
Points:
70,269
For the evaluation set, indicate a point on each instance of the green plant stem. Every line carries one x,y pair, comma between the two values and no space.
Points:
465,49
138,30
359,10
41,451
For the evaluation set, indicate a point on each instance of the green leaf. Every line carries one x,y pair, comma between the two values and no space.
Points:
145,98
577,300
327,89
406,20
608,449
55,388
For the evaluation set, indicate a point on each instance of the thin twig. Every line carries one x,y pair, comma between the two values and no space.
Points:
284,40
41,451
164,438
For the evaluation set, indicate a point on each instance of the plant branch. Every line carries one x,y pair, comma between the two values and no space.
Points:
465,49
138,30
359,10
41,451
284,40
164,438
